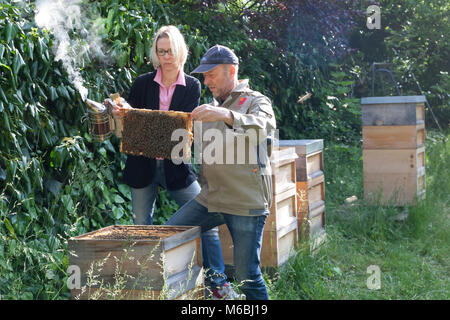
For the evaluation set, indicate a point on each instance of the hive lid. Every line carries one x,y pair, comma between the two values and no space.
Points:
306,146
393,100
283,155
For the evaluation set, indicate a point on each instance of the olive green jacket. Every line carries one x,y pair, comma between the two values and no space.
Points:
235,171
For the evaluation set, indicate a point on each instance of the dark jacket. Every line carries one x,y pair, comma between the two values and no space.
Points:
144,93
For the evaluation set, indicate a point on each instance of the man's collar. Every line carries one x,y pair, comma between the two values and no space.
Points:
241,87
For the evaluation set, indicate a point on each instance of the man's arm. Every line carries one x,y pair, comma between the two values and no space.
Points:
259,116
210,113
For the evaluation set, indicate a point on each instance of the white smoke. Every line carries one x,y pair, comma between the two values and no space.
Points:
64,18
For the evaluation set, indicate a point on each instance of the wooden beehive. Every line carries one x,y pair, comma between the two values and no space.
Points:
310,191
393,149
280,231
149,133
155,262
283,211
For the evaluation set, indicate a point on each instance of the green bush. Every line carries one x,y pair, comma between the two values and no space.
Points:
55,182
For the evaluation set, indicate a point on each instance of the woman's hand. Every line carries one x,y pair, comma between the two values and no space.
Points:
118,111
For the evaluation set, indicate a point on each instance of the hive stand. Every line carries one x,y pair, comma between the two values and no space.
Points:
393,149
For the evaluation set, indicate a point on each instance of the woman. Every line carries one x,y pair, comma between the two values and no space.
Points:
168,88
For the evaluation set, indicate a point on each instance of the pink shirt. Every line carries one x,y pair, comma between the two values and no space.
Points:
165,95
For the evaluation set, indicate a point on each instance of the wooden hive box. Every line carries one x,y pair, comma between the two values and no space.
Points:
310,187
280,231
393,149
155,262
284,204
393,137
393,111
398,176
277,246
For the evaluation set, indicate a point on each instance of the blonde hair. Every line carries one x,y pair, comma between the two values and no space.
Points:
177,45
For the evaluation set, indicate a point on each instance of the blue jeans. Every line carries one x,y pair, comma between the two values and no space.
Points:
246,232
143,202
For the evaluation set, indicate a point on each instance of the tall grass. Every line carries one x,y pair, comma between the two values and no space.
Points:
412,254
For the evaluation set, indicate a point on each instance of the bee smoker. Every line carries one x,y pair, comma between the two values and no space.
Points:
101,123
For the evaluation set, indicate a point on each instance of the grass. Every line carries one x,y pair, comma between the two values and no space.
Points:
412,255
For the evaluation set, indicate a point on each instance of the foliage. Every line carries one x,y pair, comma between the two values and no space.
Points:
55,182
283,76
412,254
414,40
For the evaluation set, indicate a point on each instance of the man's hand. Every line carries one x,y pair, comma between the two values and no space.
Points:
209,113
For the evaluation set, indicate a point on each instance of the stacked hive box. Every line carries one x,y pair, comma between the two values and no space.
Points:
155,262
281,229
394,149
310,188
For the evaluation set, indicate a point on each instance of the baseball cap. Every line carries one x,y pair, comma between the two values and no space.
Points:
216,55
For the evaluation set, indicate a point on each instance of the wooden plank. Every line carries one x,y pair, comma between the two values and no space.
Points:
388,112
276,247
317,241
309,154
301,171
282,156
137,251
310,219
309,194
85,253
420,112
315,179
191,232
308,166
393,137
303,147
185,285
393,100
392,188
283,177
421,184
421,158
302,197
283,210
317,209
314,163
400,161
286,247
317,224
179,258
316,193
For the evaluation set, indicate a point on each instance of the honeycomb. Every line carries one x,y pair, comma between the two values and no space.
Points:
148,132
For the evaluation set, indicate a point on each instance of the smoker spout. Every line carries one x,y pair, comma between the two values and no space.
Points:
95,106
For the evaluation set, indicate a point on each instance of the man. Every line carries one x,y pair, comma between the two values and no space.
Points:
234,192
